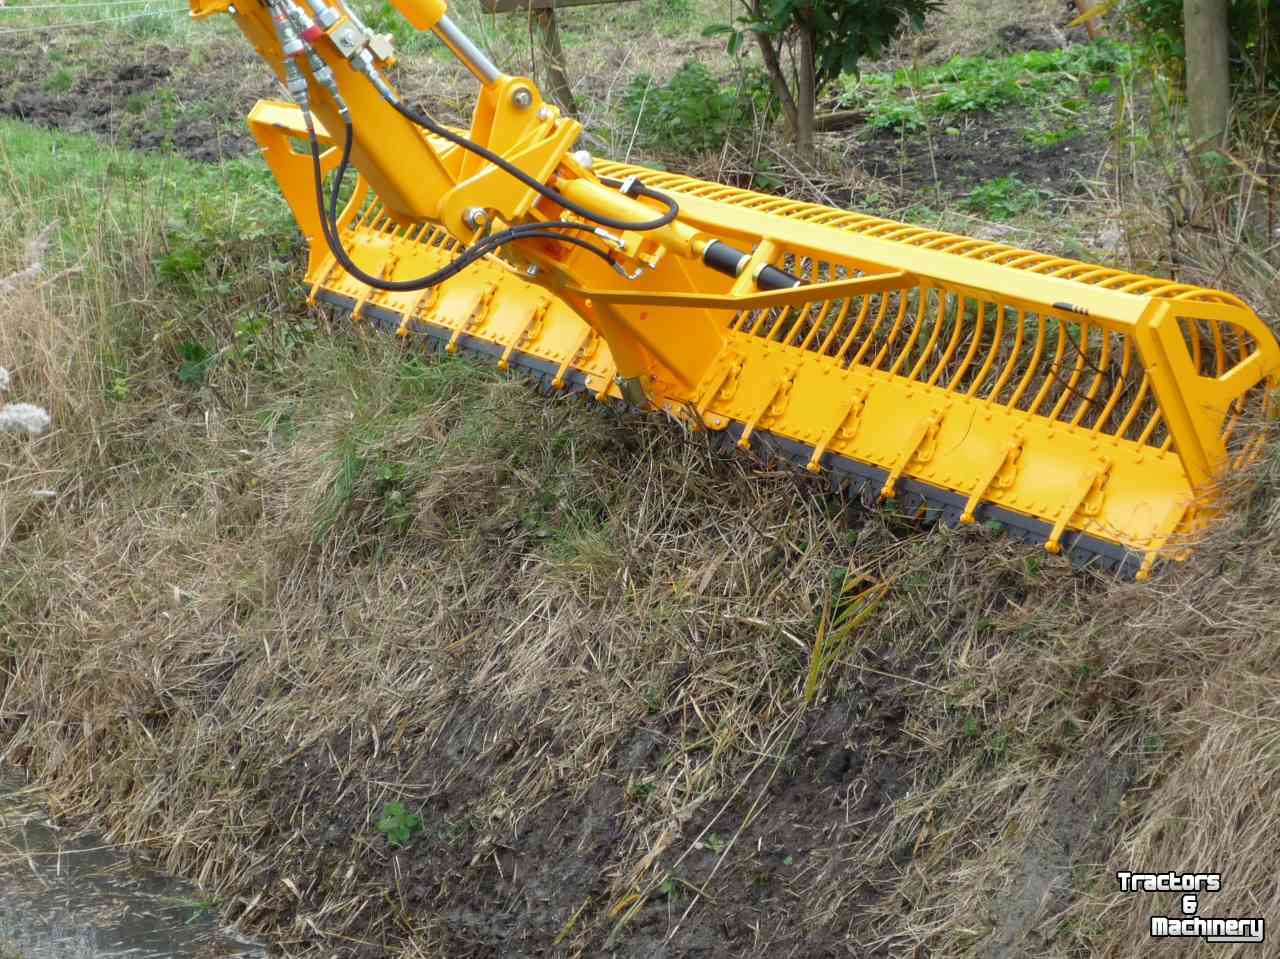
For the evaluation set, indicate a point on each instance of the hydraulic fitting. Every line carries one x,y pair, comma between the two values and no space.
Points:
290,42
308,29
324,13
297,85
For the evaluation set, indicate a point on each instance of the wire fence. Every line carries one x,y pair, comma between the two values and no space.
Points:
165,11
78,4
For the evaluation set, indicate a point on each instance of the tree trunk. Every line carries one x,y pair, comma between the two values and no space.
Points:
807,92
1208,76
778,80
553,61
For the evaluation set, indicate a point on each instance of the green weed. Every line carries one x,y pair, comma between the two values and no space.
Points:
398,824
390,482
1050,138
60,81
694,111
151,26
182,264
673,11
639,792
200,909
383,18
1004,198
843,611
904,115
351,466
998,748
197,358
267,342
906,99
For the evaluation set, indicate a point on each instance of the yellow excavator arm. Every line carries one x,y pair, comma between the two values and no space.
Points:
1085,408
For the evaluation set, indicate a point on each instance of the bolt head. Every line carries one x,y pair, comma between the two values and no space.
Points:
532,270
475,217
545,113
522,98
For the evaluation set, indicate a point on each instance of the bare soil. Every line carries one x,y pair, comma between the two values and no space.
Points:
523,893
942,166
192,99
150,96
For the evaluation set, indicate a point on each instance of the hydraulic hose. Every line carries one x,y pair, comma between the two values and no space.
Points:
636,188
294,45
329,220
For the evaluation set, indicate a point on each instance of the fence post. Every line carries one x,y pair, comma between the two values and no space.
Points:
553,59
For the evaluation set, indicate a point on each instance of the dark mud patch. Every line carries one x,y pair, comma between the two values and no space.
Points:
146,96
950,161
764,867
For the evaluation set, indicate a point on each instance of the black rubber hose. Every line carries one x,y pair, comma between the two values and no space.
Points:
427,123
329,226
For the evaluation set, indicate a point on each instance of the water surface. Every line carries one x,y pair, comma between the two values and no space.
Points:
75,897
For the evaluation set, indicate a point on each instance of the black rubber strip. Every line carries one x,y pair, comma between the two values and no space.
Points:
914,496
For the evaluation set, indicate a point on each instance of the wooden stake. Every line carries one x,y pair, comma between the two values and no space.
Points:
1092,23
553,60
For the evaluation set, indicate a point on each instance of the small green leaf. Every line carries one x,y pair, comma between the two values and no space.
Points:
196,360
398,824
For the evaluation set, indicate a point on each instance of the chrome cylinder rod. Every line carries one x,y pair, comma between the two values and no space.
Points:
471,56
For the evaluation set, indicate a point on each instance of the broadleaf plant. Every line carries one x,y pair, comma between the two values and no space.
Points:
807,43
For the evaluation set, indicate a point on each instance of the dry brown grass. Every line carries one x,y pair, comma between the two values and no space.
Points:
588,617
576,643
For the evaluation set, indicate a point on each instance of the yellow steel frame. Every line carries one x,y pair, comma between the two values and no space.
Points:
1090,400
418,178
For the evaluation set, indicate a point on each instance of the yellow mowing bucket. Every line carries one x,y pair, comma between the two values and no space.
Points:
1086,409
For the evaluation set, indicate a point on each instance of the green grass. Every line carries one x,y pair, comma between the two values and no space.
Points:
1044,138
60,81
554,571
147,20
507,36
693,111
77,180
